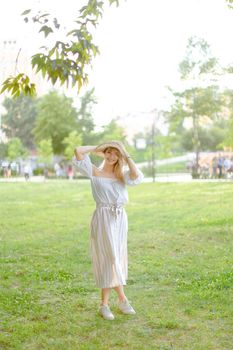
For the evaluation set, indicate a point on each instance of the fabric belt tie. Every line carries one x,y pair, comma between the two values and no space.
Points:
115,209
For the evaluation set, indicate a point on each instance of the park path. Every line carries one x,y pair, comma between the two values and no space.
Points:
181,177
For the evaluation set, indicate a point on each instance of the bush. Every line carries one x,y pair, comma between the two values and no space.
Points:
38,171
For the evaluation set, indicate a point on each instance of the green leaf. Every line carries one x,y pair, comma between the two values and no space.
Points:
26,80
51,52
17,94
44,15
38,68
44,71
15,88
56,24
20,75
54,79
74,32
47,30
5,87
25,12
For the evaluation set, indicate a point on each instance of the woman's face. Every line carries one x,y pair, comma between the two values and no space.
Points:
111,156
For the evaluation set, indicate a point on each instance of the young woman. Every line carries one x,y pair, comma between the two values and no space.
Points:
109,225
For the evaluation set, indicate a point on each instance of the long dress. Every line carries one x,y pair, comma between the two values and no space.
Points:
109,225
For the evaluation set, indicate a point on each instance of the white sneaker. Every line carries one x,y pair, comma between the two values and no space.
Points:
126,308
106,313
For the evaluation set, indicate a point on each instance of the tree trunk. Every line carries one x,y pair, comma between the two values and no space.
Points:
196,144
153,150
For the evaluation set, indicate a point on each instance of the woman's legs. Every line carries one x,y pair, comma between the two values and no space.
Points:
105,293
120,293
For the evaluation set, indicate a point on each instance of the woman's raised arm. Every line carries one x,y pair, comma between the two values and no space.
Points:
81,150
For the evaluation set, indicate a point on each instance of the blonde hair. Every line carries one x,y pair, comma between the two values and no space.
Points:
118,167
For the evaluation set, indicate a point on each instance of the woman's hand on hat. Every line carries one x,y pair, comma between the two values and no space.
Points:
124,152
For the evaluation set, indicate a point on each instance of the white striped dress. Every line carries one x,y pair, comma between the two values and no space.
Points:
109,226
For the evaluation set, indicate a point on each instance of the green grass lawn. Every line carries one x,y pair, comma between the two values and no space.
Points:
180,269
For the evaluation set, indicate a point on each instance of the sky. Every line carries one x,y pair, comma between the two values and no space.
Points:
141,45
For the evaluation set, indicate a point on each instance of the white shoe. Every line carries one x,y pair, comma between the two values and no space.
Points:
126,308
106,313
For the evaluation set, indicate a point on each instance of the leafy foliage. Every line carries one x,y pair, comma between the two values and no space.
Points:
3,150
228,141
45,151
16,149
200,103
65,62
85,120
201,106
230,3
113,131
19,84
211,139
19,119
56,119
71,141
198,60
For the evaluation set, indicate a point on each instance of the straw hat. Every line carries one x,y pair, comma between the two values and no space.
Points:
99,151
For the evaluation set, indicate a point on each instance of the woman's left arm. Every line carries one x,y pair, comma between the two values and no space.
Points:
133,174
133,170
